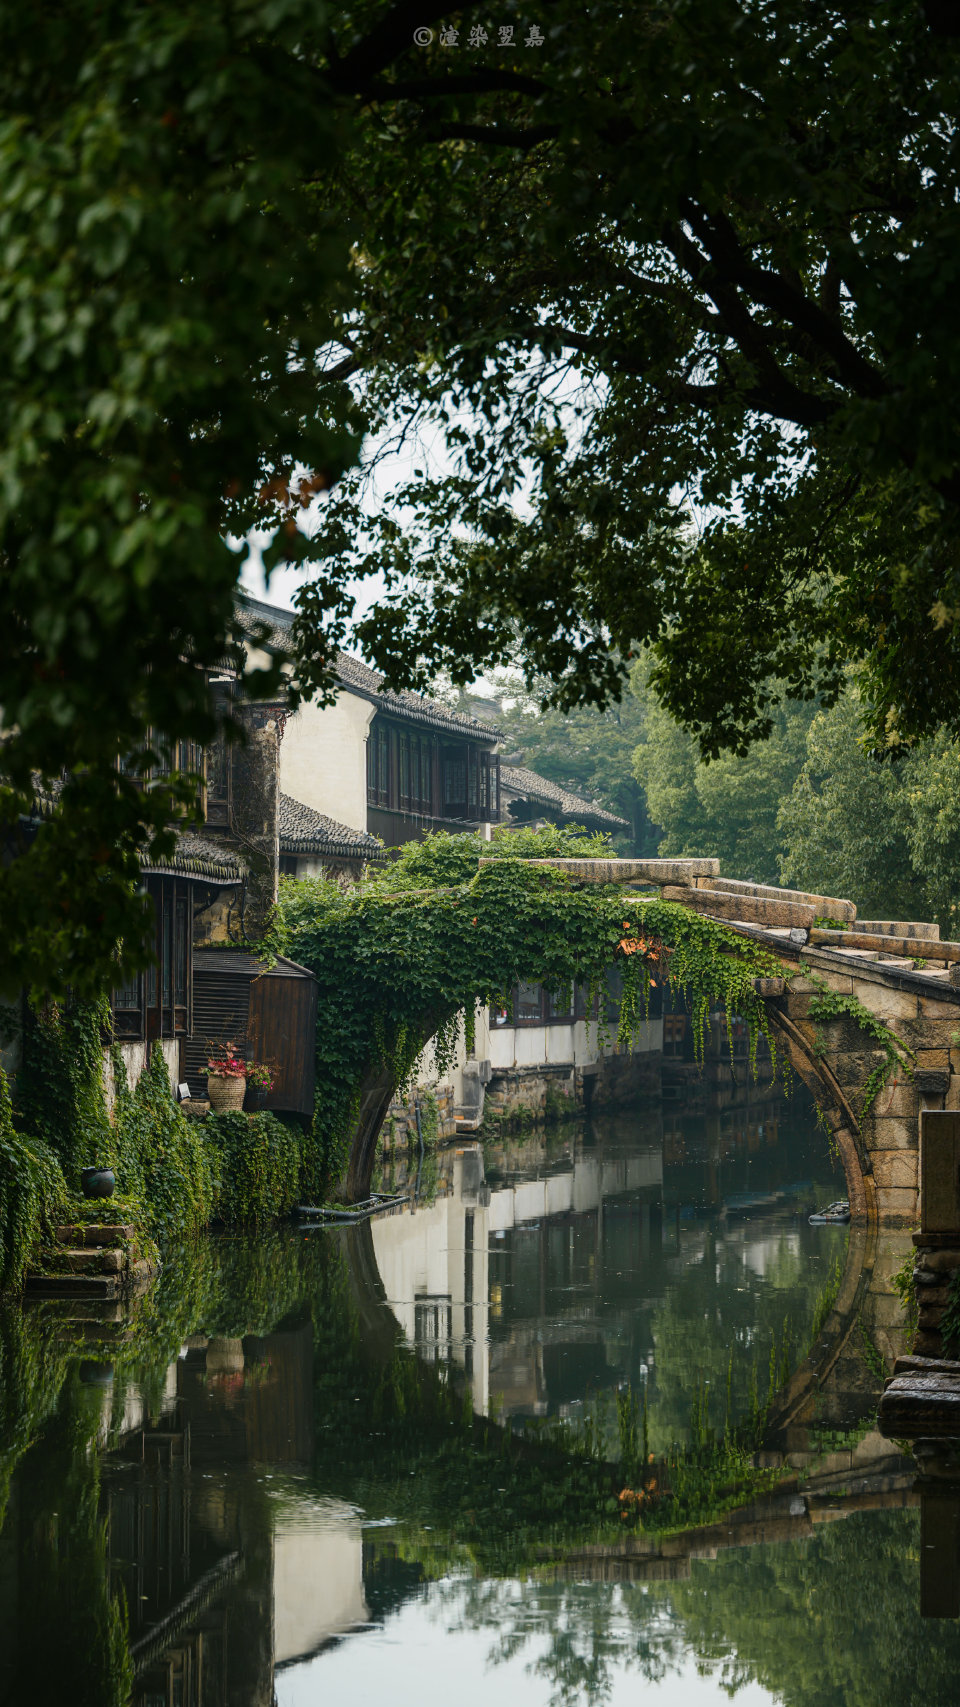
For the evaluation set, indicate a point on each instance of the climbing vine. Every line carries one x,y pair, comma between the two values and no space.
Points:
61,1095
257,1161
905,1286
950,1320
829,1004
400,959
162,1162
32,1189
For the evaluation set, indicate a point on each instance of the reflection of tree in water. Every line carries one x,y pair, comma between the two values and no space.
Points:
833,1622
710,1325
817,1622
591,1632
828,1622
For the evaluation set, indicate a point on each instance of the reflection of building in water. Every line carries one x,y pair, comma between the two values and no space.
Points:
542,1275
447,1267
317,1580
221,1586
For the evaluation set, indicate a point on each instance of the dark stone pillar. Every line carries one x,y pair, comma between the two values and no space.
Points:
256,809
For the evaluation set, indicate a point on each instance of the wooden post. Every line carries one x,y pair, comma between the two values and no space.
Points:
939,1177
940,1552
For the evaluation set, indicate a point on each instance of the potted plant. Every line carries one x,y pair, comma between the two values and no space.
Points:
260,1081
226,1079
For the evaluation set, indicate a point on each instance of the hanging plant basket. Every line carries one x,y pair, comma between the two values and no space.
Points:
225,1091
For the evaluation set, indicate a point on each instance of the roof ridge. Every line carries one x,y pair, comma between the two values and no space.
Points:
368,680
564,797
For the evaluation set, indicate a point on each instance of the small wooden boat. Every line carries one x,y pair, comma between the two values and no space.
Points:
835,1214
322,1214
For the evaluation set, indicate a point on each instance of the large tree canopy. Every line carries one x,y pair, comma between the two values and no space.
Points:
671,301
165,283
668,292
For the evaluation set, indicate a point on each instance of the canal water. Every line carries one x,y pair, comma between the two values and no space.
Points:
489,1445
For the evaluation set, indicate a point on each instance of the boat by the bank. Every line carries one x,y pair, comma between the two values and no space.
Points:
835,1214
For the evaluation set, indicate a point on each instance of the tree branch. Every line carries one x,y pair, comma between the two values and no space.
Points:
721,242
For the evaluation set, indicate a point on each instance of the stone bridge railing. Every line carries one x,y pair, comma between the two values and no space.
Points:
901,972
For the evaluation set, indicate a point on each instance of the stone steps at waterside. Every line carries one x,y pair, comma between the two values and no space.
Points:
96,1260
82,1233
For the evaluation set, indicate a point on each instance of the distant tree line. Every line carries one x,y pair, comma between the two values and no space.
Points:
809,806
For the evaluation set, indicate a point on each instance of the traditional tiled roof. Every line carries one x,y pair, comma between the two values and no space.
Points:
359,678
193,856
198,856
304,831
516,779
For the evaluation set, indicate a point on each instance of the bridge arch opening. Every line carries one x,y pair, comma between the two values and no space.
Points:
398,958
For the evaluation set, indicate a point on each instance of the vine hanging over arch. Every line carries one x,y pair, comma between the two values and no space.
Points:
405,956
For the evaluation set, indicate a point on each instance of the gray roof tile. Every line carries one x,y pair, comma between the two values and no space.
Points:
359,678
516,779
198,856
304,831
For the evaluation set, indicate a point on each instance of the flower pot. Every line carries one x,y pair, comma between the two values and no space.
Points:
225,1093
256,1097
97,1182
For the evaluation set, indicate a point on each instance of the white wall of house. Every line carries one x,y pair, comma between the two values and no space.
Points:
508,1048
317,1580
135,1059
423,1262
323,758
575,1045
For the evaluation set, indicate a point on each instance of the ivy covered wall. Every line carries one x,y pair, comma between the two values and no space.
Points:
407,955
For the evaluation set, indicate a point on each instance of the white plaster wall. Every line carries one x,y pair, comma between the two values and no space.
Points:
562,1045
508,1047
317,1583
135,1059
313,867
323,759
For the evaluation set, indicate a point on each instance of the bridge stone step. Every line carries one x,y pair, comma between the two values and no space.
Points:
894,927
824,906
746,909
656,871
920,948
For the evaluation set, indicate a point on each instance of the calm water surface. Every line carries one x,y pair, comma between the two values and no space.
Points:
268,1483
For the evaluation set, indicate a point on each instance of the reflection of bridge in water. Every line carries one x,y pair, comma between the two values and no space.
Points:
549,1275
530,1277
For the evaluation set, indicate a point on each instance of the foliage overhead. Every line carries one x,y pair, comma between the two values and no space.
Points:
399,958
166,283
670,300
726,809
672,296
585,750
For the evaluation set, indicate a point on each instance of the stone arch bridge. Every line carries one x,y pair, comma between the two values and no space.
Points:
899,970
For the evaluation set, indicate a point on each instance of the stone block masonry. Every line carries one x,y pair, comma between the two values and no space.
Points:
436,1111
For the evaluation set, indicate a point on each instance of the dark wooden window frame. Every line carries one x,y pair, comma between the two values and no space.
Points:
159,1001
430,776
545,1009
